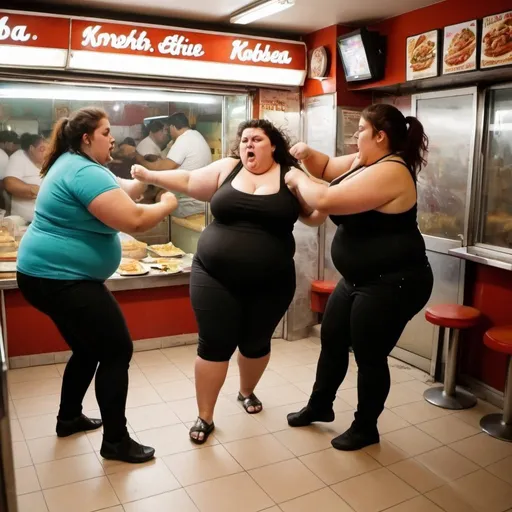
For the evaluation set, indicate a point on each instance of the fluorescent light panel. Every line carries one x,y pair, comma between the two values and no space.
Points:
261,10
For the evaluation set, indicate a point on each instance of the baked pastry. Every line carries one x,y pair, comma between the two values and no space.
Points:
130,266
133,249
167,250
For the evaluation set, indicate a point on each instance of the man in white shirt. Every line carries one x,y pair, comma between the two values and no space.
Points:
8,145
22,176
155,142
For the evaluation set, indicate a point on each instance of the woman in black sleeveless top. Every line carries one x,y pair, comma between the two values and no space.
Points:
243,274
379,251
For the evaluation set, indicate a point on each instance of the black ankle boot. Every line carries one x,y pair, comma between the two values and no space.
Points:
356,438
67,428
306,416
127,450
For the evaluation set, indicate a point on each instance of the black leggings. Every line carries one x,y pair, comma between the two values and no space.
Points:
92,324
371,319
245,318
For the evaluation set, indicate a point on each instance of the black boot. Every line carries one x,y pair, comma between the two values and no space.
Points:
356,438
67,428
307,415
127,450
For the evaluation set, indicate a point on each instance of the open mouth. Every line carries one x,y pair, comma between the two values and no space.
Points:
250,154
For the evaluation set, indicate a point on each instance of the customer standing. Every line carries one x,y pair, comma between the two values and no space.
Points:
379,251
68,252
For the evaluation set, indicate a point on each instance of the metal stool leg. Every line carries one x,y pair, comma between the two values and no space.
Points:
450,396
500,425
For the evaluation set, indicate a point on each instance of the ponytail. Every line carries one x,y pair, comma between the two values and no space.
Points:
58,145
416,146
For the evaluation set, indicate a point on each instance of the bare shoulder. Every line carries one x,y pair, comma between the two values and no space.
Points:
225,167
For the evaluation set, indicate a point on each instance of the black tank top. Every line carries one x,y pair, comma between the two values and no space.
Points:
251,236
373,243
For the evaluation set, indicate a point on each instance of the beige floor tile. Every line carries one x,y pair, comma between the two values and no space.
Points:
238,426
389,422
419,386
137,379
198,466
16,432
419,504
417,475
32,374
186,410
13,415
139,483
176,390
179,353
69,471
229,494
412,441
111,467
258,451
301,441
32,503
375,491
281,395
333,466
296,374
139,397
419,412
324,500
37,406
171,440
274,419
401,394
26,480
162,373
449,500
47,449
61,367
448,429
149,358
286,480
502,469
308,356
21,455
177,501
475,414
386,453
35,388
151,416
398,375
119,508
484,492
270,379
349,382
447,463
483,449
87,496
349,396
38,426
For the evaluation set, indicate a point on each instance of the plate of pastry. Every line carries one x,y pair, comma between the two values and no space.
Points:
167,250
130,267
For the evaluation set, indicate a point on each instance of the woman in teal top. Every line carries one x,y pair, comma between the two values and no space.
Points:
68,252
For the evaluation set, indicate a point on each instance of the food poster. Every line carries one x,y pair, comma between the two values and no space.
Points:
460,47
422,55
496,40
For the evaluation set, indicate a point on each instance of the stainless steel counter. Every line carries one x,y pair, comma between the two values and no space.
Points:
484,257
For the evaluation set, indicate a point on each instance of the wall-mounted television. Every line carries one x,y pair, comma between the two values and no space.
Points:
362,54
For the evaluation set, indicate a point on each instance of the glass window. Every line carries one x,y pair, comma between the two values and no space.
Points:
496,221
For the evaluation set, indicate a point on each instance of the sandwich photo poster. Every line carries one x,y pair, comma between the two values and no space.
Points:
460,47
496,41
423,55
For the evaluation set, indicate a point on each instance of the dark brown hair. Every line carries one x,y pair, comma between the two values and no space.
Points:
30,139
406,135
68,132
277,138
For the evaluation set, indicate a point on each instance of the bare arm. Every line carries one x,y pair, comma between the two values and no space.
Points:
162,164
18,188
134,188
200,184
115,209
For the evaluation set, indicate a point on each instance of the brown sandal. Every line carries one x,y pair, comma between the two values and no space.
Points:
250,401
200,426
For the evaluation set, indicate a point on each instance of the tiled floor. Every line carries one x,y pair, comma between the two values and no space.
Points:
429,460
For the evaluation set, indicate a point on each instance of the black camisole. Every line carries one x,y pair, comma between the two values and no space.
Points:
369,244
251,236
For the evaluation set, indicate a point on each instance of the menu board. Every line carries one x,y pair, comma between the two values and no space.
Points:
354,59
321,123
496,41
423,55
459,47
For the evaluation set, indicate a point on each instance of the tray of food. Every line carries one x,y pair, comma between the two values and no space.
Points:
166,250
133,249
7,266
166,265
130,267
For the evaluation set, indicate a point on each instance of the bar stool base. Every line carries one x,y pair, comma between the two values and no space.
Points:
493,425
462,399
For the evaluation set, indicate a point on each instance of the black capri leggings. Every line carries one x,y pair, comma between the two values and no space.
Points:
243,317
92,324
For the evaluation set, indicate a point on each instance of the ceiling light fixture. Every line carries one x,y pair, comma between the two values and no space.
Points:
260,10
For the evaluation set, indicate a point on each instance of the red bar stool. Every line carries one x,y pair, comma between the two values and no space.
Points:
455,318
320,292
499,339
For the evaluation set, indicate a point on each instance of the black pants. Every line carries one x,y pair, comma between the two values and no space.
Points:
371,318
92,324
243,317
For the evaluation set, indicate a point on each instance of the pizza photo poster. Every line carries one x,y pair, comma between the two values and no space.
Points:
460,47
496,40
423,55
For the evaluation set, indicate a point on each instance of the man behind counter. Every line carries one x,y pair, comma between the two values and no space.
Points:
155,143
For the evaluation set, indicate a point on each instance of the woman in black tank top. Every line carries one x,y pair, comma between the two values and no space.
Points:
243,274
379,251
